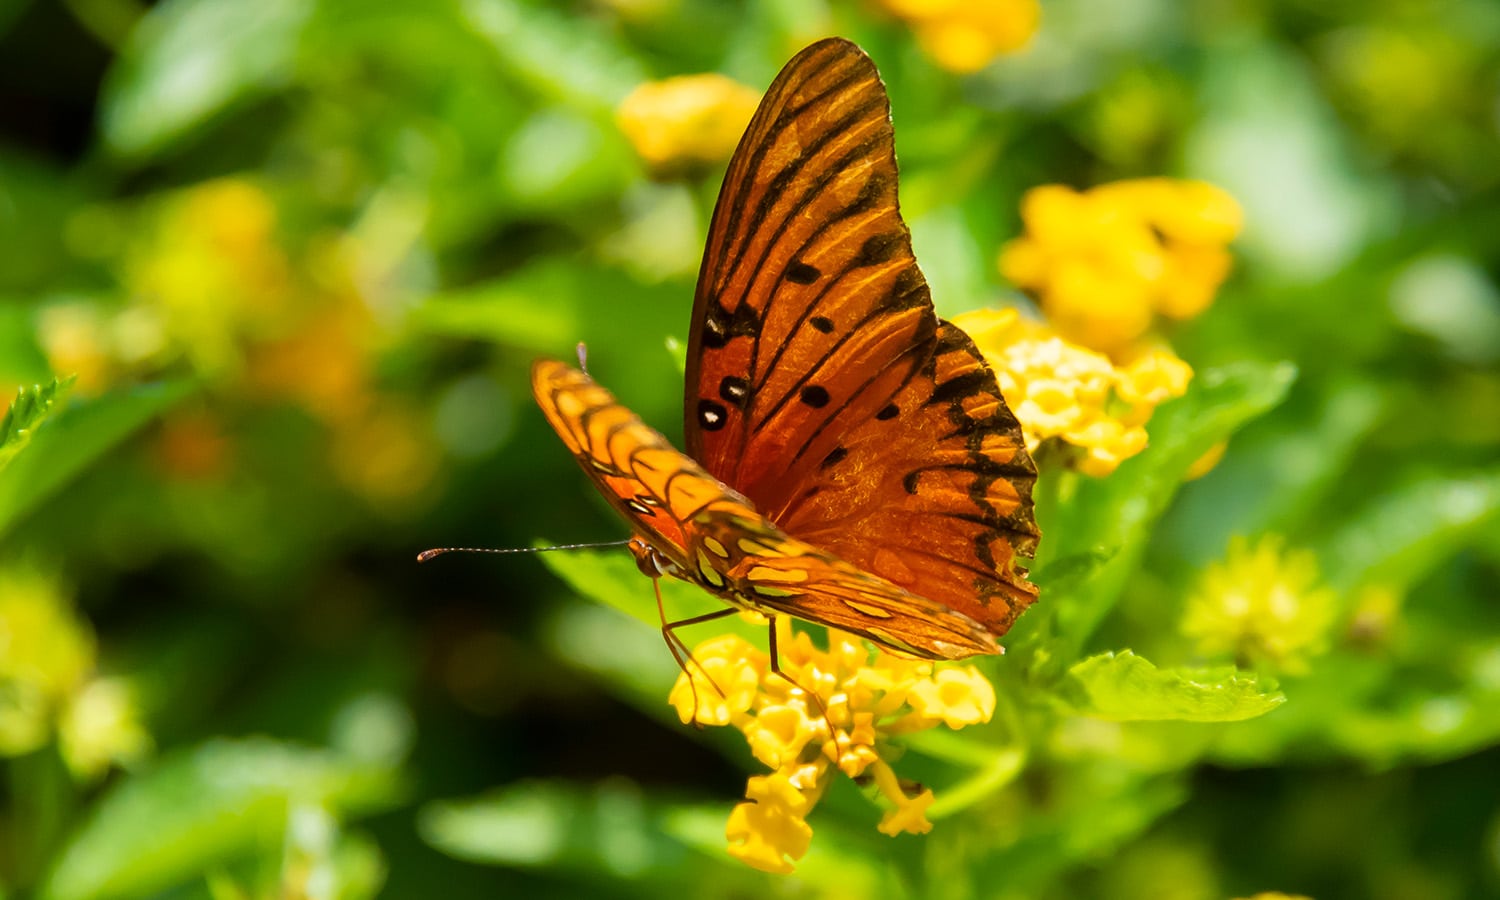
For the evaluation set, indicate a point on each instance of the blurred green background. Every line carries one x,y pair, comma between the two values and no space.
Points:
300,253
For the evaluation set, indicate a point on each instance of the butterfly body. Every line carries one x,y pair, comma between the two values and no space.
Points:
850,458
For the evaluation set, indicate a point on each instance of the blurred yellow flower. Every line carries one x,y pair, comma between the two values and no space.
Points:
1058,389
964,36
101,726
1262,604
47,657
1103,262
686,122
46,654
863,695
75,338
212,271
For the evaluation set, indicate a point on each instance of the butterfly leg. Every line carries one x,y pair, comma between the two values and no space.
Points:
680,653
833,734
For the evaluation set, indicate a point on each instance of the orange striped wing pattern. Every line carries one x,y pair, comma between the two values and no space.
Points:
854,458
705,532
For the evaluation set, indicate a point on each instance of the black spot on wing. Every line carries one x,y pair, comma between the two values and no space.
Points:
835,457
815,396
890,412
734,390
879,248
802,273
720,325
712,415
822,323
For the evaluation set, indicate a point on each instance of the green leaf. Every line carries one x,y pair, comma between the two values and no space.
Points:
189,59
1124,687
611,827
612,578
76,439
27,411
1278,474
1404,533
565,59
1111,517
553,304
203,807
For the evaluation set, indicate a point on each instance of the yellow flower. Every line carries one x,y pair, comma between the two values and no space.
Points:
964,36
1263,603
46,654
101,726
958,697
686,122
46,664
864,696
1103,262
1060,390
212,271
770,827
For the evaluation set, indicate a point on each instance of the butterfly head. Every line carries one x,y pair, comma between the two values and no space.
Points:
652,562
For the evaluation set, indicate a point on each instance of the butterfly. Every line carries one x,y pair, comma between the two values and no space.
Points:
850,459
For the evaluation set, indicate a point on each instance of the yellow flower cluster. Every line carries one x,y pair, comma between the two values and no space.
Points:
210,282
864,696
686,122
48,686
1262,604
964,36
1103,262
1058,389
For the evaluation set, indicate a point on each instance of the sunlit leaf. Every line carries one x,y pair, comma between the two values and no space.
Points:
211,804
1111,517
1125,687
543,824
74,440
28,411
1402,533
189,59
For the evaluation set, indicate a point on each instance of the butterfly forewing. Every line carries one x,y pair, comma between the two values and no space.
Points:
810,310
821,384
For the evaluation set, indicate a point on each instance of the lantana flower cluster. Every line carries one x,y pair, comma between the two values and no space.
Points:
49,688
1264,604
1103,263
1059,389
210,282
687,122
963,36
862,694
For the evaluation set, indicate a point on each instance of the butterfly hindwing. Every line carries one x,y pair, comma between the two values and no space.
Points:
715,538
941,479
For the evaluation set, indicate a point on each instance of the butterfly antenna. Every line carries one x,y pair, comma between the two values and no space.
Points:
425,555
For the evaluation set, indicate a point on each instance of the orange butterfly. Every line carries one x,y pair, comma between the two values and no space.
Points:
850,459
